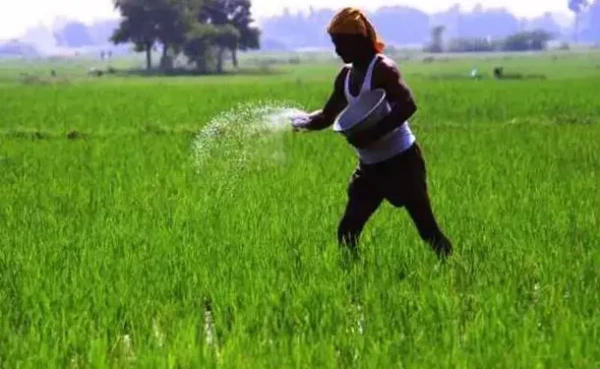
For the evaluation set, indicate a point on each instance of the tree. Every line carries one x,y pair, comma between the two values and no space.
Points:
577,7
202,29
387,20
74,34
437,40
173,20
468,45
590,31
524,41
233,19
138,26
147,22
249,37
18,48
199,45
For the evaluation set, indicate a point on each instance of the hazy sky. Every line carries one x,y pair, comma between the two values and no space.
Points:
16,16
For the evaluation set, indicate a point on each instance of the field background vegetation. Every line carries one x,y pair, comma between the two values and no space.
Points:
120,248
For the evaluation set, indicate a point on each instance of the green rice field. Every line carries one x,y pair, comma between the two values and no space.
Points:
177,222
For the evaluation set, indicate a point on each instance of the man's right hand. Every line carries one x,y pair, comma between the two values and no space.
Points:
300,123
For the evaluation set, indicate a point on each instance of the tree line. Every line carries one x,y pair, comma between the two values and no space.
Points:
204,31
535,40
403,25
203,28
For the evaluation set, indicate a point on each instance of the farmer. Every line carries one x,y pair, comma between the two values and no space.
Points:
391,166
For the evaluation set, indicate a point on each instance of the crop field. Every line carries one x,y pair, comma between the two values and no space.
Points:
177,222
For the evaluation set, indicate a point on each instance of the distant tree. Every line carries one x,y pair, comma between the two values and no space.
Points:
495,23
173,18
199,47
577,7
202,29
137,26
249,36
387,19
476,44
148,22
591,31
17,48
546,22
530,40
101,31
233,19
437,40
74,34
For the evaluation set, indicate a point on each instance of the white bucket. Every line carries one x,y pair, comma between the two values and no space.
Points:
370,108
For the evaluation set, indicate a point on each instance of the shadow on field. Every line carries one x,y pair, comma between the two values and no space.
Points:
497,73
462,77
72,135
195,73
566,120
36,80
35,135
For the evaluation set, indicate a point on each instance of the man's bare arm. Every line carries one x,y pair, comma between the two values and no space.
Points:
324,118
401,99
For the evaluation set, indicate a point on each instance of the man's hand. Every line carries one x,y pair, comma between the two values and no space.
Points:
314,121
322,119
300,122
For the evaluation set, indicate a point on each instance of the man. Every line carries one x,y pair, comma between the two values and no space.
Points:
391,166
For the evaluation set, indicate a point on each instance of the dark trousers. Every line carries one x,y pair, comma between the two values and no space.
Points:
402,181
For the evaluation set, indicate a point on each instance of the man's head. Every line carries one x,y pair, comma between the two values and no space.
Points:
354,36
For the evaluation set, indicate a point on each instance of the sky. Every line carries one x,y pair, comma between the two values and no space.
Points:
17,16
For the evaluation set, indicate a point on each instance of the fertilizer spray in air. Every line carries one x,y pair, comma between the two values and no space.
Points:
231,132
249,133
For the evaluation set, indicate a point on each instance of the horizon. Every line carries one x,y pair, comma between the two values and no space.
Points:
13,25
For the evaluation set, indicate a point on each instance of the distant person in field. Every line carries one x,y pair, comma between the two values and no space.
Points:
391,166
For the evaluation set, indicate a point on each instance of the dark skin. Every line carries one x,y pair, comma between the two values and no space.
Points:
364,195
359,51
